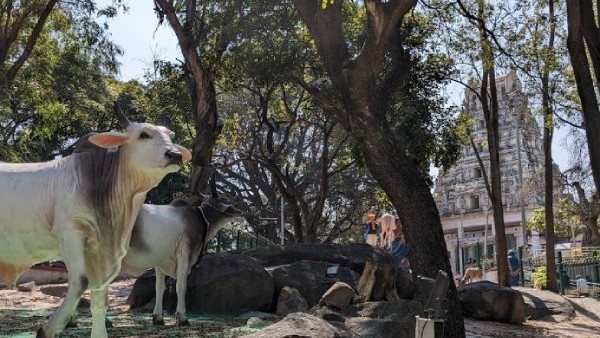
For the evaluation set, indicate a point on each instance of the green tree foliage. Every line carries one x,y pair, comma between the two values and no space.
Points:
565,220
60,92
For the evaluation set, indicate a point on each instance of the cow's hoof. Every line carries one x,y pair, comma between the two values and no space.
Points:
108,323
41,334
156,321
183,322
72,324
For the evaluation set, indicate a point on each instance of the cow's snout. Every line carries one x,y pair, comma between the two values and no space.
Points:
174,157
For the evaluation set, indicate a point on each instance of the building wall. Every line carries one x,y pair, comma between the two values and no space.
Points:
460,191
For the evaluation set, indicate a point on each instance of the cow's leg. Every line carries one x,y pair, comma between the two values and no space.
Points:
99,301
183,269
159,287
71,248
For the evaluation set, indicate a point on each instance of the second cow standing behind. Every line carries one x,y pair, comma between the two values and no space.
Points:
170,238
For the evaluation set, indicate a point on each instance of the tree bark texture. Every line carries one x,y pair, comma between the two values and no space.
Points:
377,283
490,112
552,282
356,109
202,91
583,76
589,212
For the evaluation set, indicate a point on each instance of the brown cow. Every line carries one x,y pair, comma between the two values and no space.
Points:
471,274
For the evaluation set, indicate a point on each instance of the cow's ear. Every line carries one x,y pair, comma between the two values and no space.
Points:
110,139
186,155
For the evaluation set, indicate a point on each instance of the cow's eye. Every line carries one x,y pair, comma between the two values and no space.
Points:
145,135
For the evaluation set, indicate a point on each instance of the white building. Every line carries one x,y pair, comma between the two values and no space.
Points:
460,192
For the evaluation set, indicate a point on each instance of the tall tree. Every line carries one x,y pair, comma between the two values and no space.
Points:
583,42
547,106
478,15
536,53
192,28
362,89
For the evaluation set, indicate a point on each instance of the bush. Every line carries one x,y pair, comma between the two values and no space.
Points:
539,277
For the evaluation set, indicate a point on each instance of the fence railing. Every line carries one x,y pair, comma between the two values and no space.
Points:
236,240
579,261
583,262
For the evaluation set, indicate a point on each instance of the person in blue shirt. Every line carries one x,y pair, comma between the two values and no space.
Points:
515,268
399,247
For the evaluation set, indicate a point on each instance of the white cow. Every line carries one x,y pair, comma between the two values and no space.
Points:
170,238
81,209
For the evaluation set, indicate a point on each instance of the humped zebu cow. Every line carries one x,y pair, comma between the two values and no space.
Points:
387,224
471,274
81,209
170,238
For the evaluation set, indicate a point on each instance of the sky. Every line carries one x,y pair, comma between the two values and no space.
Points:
142,41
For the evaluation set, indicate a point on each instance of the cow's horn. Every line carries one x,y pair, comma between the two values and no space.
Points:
121,118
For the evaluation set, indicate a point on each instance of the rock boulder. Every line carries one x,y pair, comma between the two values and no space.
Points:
220,283
309,277
490,301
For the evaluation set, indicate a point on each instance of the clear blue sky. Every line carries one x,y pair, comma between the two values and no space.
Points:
142,41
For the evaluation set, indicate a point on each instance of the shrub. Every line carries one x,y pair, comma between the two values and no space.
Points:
539,277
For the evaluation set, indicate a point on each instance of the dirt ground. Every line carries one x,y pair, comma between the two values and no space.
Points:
22,313
586,323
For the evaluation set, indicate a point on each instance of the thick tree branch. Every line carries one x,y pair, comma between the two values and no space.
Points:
10,35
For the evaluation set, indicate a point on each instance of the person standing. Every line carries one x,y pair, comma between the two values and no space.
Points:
515,268
581,284
371,227
399,247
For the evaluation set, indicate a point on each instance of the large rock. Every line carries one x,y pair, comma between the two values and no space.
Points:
289,301
383,319
352,256
490,301
338,296
405,284
546,305
423,287
300,325
310,279
220,283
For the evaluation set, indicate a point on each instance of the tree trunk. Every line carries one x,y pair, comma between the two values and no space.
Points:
490,112
552,282
202,91
205,115
12,23
489,102
591,236
585,85
410,195
377,283
360,109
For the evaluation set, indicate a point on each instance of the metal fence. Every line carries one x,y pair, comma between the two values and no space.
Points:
582,262
236,240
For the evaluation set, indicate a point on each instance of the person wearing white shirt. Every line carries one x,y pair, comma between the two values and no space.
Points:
581,283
